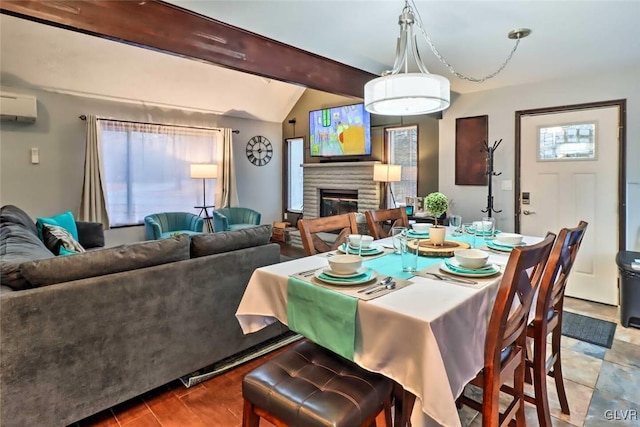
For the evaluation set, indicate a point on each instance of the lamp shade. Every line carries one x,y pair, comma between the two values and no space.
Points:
387,173
407,94
204,170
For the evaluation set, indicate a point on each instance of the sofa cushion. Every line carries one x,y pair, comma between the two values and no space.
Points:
90,234
64,220
14,215
56,238
106,261
18,244
225,241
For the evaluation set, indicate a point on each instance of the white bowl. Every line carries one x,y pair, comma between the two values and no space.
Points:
345,264
509,238
421,227
354,240
471,258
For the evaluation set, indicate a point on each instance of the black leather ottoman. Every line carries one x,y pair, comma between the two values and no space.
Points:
312,387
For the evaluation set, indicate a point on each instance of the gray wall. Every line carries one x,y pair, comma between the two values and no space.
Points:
501,105
55,185
427,134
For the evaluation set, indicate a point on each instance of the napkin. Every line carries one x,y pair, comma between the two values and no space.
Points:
459,269
326,317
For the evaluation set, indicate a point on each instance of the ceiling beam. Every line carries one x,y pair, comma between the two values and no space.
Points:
168,28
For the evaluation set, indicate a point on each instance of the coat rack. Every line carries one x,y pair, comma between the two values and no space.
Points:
490,174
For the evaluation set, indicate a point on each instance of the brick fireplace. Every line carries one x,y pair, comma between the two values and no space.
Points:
353,179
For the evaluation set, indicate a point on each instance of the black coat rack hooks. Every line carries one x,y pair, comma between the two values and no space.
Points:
490,174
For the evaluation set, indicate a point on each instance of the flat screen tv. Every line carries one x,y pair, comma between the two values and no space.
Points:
340,131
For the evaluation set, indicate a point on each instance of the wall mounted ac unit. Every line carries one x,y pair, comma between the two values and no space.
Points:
18,108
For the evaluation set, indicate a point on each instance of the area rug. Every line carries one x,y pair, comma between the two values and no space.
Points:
588,329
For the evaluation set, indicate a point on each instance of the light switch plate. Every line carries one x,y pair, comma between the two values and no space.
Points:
35,156
507,185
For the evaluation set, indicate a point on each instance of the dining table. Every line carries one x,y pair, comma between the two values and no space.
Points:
427,335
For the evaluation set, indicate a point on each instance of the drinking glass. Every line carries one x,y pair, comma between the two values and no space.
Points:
488,227
456,221
469,228
395,234
408,253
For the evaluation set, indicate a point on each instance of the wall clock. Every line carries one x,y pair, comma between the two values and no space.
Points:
259,150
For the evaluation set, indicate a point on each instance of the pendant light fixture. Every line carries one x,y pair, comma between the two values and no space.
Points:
405,94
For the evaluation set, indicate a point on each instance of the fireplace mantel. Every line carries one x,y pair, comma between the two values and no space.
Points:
340,176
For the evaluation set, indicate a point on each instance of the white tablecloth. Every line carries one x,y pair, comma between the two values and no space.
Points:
429,337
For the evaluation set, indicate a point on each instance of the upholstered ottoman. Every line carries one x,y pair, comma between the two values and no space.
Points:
312,387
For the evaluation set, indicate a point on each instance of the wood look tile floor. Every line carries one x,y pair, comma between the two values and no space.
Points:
601,384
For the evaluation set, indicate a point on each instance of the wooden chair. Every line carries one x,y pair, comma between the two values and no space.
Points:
310,386
548,320
505,346
309,228
397,217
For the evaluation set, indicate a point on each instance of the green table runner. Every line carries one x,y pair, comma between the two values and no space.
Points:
391,265
326,317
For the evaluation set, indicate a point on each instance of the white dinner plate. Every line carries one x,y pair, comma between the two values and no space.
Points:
329,272
375,250
342,282
446,269
457,264
413,233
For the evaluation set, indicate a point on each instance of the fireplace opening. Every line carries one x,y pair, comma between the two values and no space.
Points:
337,202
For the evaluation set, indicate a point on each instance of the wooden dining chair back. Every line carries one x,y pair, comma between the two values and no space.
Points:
377,218
505,345
344,224
548,320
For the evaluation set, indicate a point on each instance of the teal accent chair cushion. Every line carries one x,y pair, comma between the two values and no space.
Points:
64,220
166,224
229,219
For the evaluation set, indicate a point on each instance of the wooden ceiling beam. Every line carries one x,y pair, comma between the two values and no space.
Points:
168,28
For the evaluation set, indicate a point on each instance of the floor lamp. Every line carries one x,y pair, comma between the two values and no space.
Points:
387,173
205,171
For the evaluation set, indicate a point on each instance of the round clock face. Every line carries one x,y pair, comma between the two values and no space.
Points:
259,150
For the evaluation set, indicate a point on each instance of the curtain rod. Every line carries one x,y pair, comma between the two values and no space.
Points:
83,117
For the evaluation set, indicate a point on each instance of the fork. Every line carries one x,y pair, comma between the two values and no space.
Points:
451,279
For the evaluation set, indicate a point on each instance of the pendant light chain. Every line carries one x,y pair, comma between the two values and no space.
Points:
449,66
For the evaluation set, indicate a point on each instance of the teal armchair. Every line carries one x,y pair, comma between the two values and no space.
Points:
225,219
163,225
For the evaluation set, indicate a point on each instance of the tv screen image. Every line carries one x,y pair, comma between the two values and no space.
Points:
340,131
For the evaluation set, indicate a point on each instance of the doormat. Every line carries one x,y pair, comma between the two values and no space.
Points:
588,329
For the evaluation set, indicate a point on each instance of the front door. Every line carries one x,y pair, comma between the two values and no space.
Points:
569,172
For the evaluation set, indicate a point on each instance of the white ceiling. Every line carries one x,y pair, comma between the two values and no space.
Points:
569,38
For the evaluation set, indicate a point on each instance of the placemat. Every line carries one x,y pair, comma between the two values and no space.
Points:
352,290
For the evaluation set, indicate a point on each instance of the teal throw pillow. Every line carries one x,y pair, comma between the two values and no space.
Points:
64,220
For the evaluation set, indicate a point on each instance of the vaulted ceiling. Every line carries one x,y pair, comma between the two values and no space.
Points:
568,39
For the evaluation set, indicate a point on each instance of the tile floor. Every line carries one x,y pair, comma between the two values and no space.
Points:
602,385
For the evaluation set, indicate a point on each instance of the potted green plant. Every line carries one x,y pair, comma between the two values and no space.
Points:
436,204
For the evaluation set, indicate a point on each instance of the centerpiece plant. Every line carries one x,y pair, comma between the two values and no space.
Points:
436,204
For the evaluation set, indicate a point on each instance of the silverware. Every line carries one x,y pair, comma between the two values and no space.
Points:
380,283
308,273
391,285
451,279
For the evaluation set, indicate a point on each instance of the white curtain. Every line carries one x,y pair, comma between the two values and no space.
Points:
226,189
93,206
147,168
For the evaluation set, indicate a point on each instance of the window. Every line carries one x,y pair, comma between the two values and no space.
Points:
295,155
567,142
147,168
402,149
